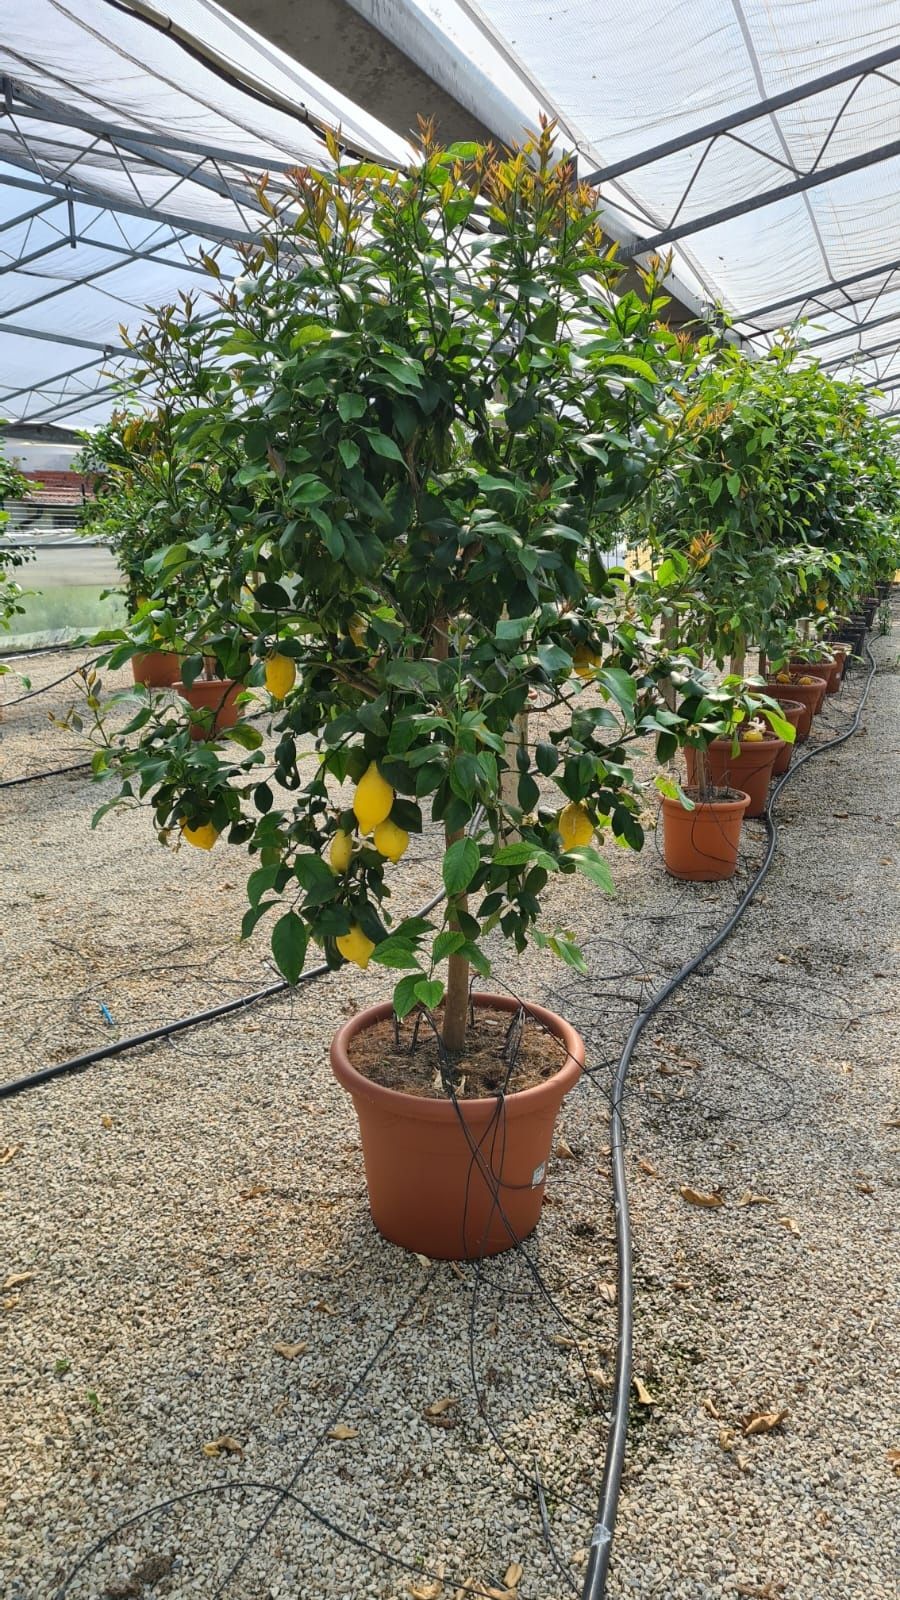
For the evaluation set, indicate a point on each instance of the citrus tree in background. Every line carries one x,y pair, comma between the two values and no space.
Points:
416,417
13,486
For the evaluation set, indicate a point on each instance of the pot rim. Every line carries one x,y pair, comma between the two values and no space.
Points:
435,1110
739,799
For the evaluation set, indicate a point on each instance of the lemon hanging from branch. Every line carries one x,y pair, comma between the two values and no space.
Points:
575,826
585,661
203,837
373,799
281,675
341,851
355,946
390,840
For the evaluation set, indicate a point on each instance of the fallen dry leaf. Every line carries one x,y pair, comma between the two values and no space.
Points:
695,1197
790,1223
865,1187
513,1575
223,1446
565,1151
682,1284
607,1292
648,1168
16,1279
341,1431
893,1459
11,1150
893,1122
254,1193
645,1398
742,1461
323,1306
439,1407
753,1591
579,1559
841,815
598,1376
290,1351
426,1591
785,960
762,1422
726,1438
709,1405
106,1122
749,1198
424,1261
563,1341
466,1589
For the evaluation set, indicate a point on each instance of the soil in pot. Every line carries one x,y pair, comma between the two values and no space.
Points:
793,712
156,669
457,1181
702,845
218,695
749,772
829,670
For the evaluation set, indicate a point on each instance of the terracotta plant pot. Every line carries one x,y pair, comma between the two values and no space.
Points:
749,772
829,670
702,845
810,697
212,694
427,1190
793,712
156,669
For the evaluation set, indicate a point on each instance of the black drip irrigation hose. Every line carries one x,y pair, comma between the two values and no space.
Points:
601,1539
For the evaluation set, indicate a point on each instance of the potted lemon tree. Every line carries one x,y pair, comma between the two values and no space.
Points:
423,406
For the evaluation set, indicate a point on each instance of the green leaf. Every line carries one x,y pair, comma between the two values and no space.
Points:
522,853
383,446
430,991
405,997
460,865
592,866
243,734
447,943
393,952
620,685
349,452
289,941
351,407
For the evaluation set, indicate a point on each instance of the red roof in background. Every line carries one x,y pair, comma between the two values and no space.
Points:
58,488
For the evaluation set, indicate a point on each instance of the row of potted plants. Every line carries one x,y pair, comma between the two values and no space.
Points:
381,481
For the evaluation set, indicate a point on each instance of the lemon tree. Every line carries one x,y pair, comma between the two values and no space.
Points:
417,417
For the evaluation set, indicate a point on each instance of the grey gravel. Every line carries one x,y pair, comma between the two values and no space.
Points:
185,1207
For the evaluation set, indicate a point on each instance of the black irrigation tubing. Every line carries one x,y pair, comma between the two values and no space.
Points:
601,1539
35,777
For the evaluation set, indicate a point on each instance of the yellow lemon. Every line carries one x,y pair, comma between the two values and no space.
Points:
354,946
575,826
203,837
821,605
809,683
783,677
373,799
753,736
341,851
356,628
585,661
390,840
281,673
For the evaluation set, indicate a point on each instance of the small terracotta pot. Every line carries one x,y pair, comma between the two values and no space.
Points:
428,1191
793,712
702,845
213,694
810,697
156,669
749,772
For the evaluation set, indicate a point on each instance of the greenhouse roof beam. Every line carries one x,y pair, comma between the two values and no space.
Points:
813,179
866,354
30,388
883,383
63,338
153,213
862,327
812,296
752,113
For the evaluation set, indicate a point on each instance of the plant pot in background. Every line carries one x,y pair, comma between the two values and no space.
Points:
793,712
749,772
218,695
156,669
702,845
829,670
810,696
427,1191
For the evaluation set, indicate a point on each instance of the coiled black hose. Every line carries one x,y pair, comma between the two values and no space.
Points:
601,1538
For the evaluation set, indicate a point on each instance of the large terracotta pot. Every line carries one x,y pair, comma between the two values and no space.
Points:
810,697
750,771
212,694
156,669
702,845
793,712
428,1189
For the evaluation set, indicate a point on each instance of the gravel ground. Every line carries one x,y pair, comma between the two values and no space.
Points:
184,1210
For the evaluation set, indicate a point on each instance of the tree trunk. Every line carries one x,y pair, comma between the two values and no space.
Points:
456,1001
702,781
739,656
